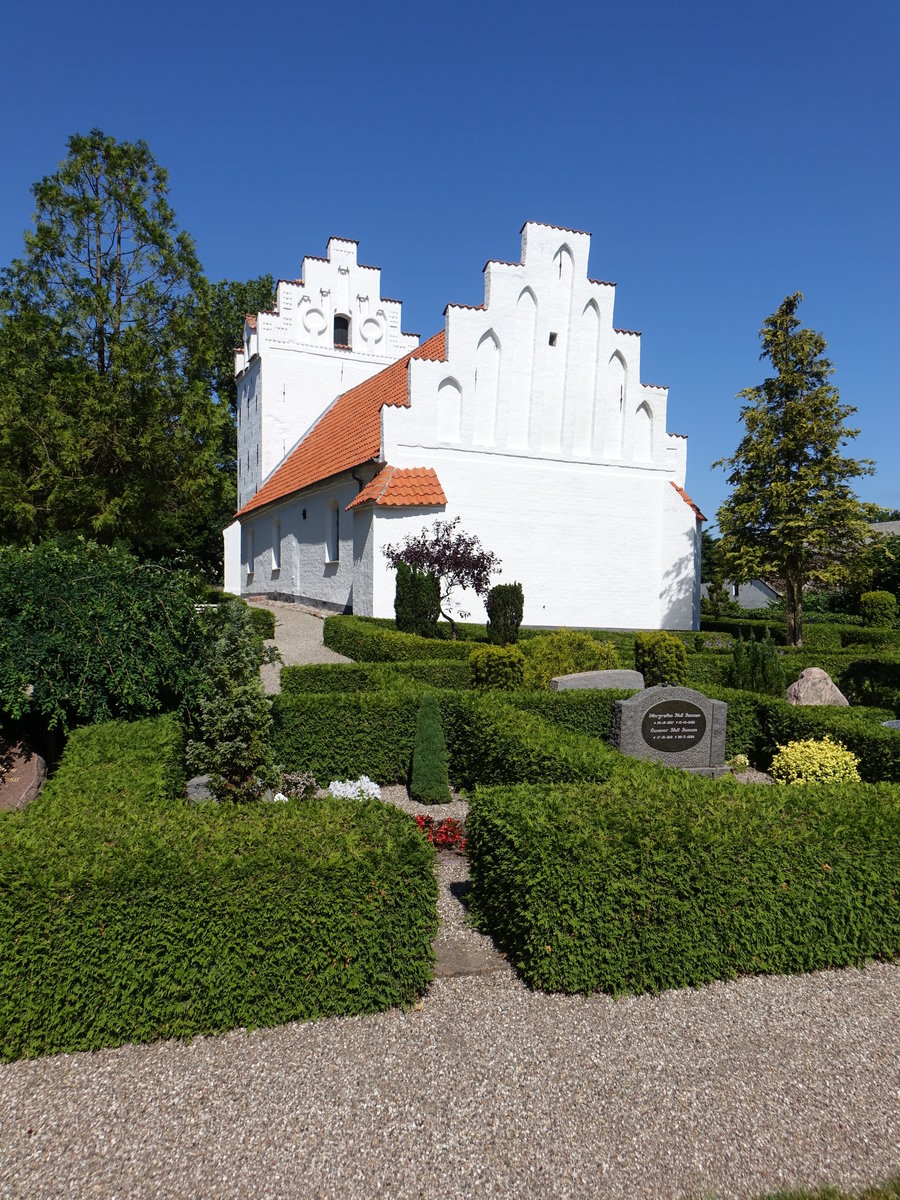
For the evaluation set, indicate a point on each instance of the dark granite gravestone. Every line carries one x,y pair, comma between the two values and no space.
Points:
22,774
675,726
620,680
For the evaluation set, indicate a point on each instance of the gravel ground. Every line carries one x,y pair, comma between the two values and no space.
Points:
486,1090
298,637
483,1089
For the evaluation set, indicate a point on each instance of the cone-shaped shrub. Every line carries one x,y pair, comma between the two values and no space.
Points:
429,781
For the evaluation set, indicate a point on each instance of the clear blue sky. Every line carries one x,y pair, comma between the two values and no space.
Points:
722,155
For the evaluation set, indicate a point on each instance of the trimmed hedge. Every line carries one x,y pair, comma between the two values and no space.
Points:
263,621
493,742
757,724
343,736
678,881
368,641
369,677
127,915
588,711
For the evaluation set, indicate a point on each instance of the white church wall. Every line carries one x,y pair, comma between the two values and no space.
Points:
316,540
231,537
549,446
304,370
585,544
680,563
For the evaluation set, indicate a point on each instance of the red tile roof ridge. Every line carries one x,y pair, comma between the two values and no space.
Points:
561,228
348,433
250,319
686,498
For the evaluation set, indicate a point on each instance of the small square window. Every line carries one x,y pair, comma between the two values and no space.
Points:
552,339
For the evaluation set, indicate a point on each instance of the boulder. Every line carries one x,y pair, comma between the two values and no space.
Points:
22,774
815,686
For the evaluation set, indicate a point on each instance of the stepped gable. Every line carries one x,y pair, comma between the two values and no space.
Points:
347,434
403,487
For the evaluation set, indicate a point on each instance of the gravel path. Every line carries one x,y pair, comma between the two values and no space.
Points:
483,1089
298,637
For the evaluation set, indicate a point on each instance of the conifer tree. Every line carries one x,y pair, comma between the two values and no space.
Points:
792,512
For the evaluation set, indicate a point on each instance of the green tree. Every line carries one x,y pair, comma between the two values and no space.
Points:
792,512
104,429
220,311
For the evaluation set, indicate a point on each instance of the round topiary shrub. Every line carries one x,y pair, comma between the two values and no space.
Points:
497,667
661,658
566,652
878,608
814,761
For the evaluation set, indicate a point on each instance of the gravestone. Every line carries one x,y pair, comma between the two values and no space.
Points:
621,680
675,726
22,774
891,724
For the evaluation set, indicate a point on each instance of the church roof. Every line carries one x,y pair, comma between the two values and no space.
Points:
347,434
403,487
686,498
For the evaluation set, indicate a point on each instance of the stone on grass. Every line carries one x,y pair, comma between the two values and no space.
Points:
815,686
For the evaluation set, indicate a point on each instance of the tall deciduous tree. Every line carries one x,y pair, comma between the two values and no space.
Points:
792,511
455,558
104,428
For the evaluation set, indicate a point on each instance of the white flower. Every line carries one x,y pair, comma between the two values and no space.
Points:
359,789
279,798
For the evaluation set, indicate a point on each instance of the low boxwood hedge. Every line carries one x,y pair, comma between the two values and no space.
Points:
368,676
670,881
370,641
342,736
757,724
127,915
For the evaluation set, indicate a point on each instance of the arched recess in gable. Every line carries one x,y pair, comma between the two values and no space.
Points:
559,319
487,388
518,434
614,406
643,433
449,410
585,398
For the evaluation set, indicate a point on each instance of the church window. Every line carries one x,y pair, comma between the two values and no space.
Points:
333,533
552,339
342,331
276,545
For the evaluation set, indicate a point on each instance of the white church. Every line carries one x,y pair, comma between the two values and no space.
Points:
526,417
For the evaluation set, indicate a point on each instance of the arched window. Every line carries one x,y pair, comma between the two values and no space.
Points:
332,533
342,331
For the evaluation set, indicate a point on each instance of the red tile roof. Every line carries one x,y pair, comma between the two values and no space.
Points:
347,434
251,320
686,498
403,487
